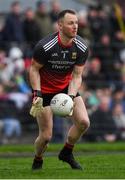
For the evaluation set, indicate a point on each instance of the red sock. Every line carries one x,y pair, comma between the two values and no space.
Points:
39,158
69,146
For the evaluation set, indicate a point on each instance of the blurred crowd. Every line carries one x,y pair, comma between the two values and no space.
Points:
103,88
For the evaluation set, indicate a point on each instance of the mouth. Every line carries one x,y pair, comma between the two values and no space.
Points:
74,31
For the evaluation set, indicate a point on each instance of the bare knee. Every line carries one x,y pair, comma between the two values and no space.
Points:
86,124
45,137
83,124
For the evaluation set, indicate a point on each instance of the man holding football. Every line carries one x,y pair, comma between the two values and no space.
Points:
57,67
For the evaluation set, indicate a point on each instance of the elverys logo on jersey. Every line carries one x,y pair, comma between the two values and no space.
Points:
74,55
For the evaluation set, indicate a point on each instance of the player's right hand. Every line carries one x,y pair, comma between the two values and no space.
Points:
71,112
37,104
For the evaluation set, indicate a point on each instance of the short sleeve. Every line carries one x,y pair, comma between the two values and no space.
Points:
82,56
39,54
82,50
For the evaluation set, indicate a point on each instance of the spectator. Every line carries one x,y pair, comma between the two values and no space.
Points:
119,118
94,78
31,31
11,129
94,23
104,51
103,127
13,30
99,22
8,114
5,70
43,19
84,30
118,96
55,8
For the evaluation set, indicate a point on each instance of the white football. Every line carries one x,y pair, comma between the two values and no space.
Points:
61,104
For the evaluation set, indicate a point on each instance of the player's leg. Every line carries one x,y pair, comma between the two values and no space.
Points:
81,121
45,123
81,124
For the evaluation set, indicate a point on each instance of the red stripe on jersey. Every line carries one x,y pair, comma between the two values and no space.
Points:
52,82
60,43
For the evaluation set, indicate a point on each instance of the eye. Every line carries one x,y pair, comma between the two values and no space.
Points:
70,23
76,22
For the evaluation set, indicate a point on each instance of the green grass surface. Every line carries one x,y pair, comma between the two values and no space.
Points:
82,147
101,162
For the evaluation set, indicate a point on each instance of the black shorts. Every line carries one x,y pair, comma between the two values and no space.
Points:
47,97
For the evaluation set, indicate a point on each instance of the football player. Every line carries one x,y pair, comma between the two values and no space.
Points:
57,67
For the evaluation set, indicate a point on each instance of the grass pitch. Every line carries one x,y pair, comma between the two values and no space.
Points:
100,161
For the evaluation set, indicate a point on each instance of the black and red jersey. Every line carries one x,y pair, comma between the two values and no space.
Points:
58,61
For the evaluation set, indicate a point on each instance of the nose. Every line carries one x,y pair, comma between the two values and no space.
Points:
75,26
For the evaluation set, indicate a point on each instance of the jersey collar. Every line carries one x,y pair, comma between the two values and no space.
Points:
62,45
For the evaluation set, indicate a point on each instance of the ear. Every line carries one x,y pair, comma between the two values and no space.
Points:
60,25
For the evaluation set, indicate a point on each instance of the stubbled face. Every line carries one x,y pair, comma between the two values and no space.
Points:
69,25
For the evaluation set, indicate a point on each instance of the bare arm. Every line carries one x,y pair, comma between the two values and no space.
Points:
76,80
34,75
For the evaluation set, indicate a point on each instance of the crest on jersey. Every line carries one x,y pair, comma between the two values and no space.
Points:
74,55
